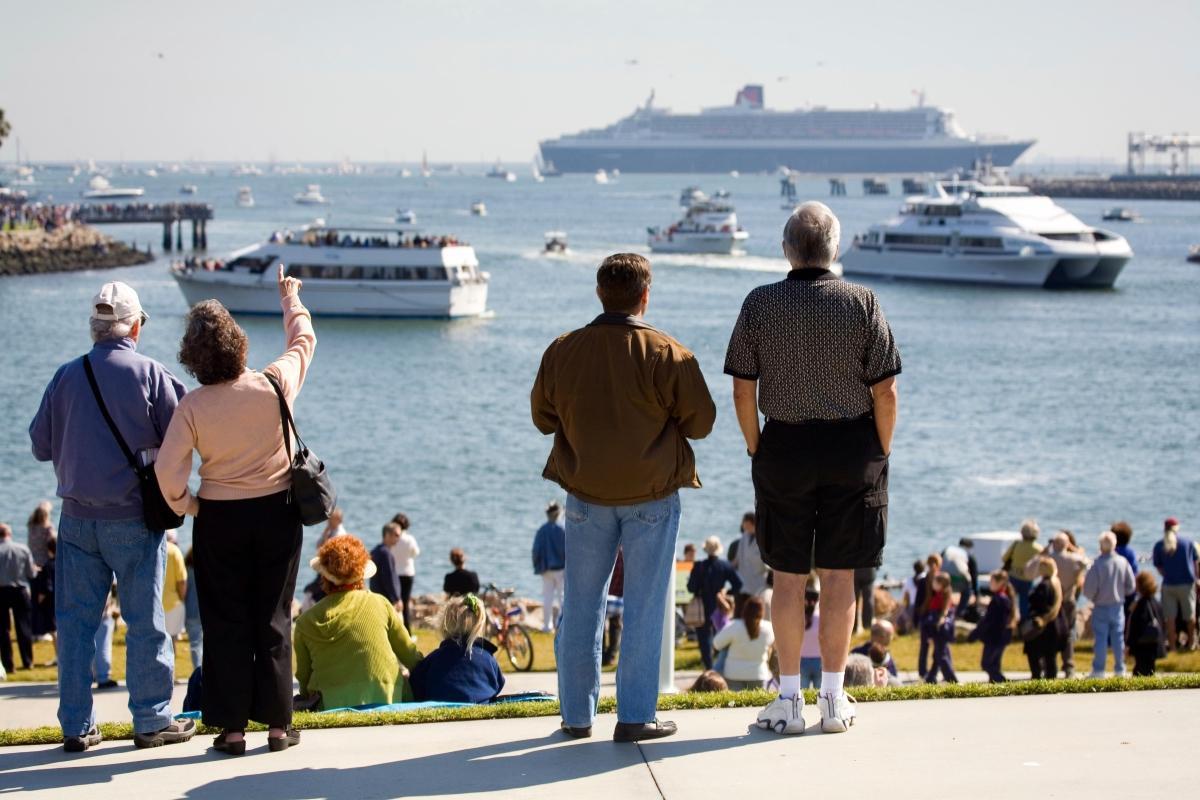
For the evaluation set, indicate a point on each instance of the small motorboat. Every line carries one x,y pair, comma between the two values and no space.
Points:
406,216
245,198
1194,254
189,188
478,209
100,189
501,173
556,243
600,177
311,196
1121,214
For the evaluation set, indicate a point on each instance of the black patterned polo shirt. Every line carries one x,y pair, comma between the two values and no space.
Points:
816,345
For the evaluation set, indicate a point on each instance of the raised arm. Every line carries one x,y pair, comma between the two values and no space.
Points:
291,368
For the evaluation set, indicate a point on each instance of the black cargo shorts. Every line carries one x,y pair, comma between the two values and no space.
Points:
821,495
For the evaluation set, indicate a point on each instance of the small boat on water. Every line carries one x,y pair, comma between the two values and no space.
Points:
311,196
600,177
245,198
556,243
406,216
355,272
1194,254
478,209
709,226
501,173
100,189
188,188
1120,214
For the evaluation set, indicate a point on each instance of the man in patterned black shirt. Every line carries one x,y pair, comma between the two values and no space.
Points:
816,356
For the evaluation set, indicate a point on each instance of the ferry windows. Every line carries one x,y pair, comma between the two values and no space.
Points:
352,273
981,242
254,265
904,239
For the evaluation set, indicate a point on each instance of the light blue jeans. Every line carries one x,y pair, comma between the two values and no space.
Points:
89,553
810,672
646,534
1108,624
102,664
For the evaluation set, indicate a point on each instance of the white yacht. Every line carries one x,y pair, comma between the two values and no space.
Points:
406,216
974,232
1120,214
245,198
357,272
188,188
600,177
100,189
311,196
478,209
501,173
709,226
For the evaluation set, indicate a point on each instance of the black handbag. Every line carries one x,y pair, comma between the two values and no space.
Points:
312,491
157,515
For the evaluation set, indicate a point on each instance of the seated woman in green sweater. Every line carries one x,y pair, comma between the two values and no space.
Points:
351,646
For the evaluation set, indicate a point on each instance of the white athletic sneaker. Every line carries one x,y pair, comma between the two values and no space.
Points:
837,713
784,716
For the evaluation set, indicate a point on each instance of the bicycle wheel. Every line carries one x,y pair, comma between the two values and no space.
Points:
519,646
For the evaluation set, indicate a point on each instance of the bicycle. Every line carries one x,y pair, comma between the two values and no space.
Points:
504,627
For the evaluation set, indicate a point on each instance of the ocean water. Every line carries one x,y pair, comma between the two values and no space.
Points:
1077,408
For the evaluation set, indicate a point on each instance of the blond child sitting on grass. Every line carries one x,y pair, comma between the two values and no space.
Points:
463,669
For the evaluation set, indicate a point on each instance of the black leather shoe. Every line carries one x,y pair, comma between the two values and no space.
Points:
637,732
290,738
222,745
576,733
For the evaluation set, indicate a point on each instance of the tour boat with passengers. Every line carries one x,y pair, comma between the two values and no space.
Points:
976,232
347,272
709,226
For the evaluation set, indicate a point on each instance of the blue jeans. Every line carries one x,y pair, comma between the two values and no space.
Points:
102,664
89,553
1108,623
1022,588
646,534
810,672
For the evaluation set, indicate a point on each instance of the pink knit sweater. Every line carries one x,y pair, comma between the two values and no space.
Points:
235,427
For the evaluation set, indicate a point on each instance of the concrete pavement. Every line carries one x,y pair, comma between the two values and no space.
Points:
1094,745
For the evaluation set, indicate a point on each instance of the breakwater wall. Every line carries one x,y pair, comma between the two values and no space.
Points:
1116,188
67,249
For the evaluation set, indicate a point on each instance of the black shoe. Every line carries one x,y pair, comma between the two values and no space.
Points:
230,748
175,733
290,738
576,733
78,744
110,684
637,732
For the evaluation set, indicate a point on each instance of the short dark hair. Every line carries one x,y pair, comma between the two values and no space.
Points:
458,557
214,347
401,519
749,517
621,281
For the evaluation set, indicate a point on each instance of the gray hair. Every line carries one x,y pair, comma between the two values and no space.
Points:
812,234
1030,530
104,330
1108,542
859,670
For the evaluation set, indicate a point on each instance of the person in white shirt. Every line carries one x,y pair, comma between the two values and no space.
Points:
405,551
749,640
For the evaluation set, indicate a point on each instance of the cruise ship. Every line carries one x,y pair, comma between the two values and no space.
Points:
975,232
360,272
746,137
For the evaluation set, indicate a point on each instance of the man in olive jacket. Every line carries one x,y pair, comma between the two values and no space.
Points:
621,399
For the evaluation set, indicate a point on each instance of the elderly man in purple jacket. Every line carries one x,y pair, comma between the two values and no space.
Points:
102,531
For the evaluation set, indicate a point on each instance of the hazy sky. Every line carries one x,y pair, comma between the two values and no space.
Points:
471,81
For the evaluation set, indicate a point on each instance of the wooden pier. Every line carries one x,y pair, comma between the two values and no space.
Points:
165,214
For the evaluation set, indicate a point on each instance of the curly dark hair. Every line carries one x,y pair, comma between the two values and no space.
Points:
213,348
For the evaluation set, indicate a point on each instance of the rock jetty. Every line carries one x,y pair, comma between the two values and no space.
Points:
1117,187
68,248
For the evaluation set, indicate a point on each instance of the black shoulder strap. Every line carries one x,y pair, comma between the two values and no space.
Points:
285,415
112,426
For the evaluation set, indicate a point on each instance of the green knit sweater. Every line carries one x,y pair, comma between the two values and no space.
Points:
349,647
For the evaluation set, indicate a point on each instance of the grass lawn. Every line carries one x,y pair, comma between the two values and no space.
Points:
687,657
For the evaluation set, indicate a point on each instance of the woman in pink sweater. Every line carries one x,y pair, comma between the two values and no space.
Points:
247,532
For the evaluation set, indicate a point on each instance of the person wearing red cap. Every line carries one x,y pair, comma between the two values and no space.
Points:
1176,559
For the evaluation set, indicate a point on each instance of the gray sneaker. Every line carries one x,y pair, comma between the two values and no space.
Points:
78,744
837,713
175,733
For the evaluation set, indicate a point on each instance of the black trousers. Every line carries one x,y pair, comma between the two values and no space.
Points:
1144,656
864,587
16,600
406,584
246,555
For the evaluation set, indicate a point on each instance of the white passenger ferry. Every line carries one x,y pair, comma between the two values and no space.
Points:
972,232
709,226
347,272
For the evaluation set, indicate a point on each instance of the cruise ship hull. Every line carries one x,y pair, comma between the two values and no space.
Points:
248,294
821,158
